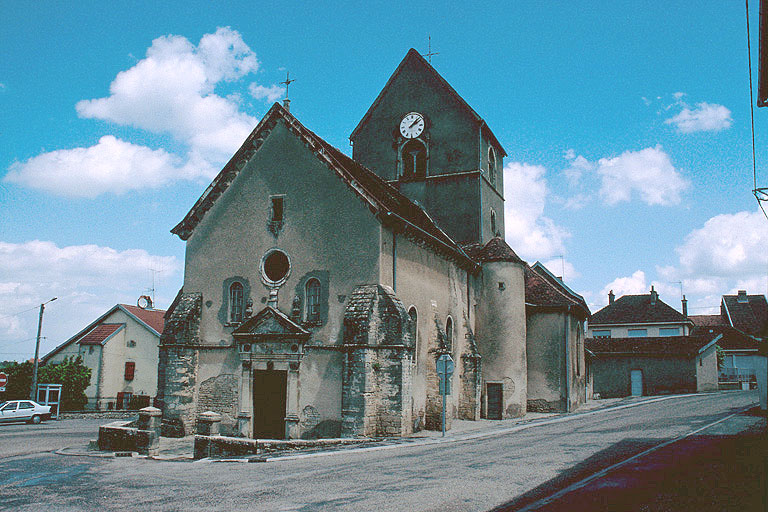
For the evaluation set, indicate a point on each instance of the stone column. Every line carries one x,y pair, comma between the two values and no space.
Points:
292,402
246,401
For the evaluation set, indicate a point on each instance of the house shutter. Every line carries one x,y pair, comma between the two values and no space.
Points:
130,368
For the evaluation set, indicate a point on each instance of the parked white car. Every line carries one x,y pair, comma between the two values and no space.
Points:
24,410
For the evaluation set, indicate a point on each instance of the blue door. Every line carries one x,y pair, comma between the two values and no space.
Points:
637,382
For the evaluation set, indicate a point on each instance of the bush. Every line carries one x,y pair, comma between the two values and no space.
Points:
71,373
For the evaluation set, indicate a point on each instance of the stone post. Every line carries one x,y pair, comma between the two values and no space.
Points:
150,418
244,424
208,423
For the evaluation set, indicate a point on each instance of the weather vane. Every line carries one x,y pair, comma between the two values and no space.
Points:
430,53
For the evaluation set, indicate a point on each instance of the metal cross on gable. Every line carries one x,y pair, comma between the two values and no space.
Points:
287,82
429,53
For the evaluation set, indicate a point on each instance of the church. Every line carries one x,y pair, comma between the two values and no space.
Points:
319,290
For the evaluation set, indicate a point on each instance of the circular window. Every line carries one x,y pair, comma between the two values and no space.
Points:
275,267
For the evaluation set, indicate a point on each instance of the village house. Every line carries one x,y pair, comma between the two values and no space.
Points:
643,346
121,349
319,289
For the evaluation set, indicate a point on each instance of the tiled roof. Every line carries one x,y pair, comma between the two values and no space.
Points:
751,316
496,249
414,55
99,334
631,309
702,320
661,346
544,290
155,318
733,339
382,199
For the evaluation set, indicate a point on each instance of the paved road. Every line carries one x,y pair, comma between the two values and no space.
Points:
474,474
24,438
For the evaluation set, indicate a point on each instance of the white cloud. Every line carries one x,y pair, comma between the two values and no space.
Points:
171,91
648,172
111,166
87,279
528,231
562,268
629,285
271,93
705,117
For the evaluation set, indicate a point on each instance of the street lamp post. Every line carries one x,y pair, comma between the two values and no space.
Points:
33,388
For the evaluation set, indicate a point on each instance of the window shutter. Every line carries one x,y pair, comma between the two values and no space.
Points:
130,368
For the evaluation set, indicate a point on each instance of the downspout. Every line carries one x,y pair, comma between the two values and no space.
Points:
394,261
567,326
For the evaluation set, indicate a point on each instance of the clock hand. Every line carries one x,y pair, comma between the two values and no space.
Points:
414,123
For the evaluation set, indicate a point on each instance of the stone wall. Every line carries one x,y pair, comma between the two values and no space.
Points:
470,380
220,394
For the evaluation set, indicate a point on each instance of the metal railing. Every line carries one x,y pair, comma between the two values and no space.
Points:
737,375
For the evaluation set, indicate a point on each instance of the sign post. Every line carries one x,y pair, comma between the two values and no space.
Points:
444,371
3,381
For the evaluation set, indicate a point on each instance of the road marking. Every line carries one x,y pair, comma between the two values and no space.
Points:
581,483
470,436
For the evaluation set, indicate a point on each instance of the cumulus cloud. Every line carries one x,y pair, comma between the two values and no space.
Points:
87,279
649,173
271,93
704,117
628,285
112,165
533,235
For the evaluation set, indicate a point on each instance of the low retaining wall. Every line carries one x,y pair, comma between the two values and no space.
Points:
222,446
141,435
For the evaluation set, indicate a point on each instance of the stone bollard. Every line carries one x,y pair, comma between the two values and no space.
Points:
208,423
150,418
244,424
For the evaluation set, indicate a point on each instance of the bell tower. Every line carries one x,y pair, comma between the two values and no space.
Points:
425,140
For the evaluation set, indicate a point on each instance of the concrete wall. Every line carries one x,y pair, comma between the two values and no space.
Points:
501,333
706,370
327,233
661,375
548,333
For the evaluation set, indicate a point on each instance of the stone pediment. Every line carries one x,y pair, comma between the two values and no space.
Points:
270,323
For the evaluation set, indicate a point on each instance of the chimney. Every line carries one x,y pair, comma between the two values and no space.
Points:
685,307
654,296
742,297
287,104
611,297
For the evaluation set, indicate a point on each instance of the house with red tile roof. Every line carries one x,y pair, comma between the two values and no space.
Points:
121,349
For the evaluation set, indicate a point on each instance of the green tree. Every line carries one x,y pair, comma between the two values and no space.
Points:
71,373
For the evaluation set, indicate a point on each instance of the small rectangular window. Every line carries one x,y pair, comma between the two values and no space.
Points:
130,369
606,333
669,331
277,209
638,333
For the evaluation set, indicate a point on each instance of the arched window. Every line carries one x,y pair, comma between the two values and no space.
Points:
494,231
492,166
414,330
449,333
414,155
313,300
236,302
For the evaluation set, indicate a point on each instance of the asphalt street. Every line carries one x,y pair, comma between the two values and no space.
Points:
473,472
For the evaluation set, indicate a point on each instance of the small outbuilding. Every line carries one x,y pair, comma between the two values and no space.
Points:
653,366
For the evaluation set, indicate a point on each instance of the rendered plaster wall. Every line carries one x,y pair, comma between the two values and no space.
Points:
545,361
661,375
706,370
327,233
501,333
436,287
653,330
491,199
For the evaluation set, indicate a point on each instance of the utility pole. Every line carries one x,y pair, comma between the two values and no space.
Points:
33,388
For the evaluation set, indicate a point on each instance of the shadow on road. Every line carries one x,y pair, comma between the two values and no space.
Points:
702,472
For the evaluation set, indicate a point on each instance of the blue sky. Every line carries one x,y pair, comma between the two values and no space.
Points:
627,131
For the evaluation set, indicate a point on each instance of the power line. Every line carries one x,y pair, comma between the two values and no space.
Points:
20,312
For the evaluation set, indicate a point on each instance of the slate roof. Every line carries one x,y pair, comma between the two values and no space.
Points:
733,339
657,346
750,317
633,309
707,320
542,289
496,249
382,199
415,55
99,334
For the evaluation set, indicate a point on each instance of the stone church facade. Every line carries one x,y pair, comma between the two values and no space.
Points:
319,289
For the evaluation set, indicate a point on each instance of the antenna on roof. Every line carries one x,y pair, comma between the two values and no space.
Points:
429,53
152,290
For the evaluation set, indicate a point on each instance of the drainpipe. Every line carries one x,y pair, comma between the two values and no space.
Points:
394,261
567,325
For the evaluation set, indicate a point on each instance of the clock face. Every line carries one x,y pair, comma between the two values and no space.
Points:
412,125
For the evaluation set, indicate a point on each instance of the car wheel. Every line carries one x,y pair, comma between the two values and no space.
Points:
35,419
